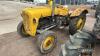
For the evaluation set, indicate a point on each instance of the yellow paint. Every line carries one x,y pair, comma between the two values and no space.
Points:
36,13
50,2
48,42
78,11
80,23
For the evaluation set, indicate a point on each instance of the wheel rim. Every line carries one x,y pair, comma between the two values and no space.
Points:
80,24
48,43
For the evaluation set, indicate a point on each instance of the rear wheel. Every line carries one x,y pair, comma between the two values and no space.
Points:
21,30
77,23
46,41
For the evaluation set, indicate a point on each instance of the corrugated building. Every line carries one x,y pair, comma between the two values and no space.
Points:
62,1
71,1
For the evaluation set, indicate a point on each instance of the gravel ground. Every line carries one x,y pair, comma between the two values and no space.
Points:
11,44
10,15
12,9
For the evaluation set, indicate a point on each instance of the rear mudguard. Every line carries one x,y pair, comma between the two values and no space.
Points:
79,11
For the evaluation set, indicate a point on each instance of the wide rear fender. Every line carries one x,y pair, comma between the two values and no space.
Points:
79,11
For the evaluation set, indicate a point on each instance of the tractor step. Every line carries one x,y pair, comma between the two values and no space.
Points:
43,30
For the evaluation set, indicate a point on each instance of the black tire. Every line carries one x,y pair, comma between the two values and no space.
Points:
96,15
42,37
73,22
96,29
21,30
61,54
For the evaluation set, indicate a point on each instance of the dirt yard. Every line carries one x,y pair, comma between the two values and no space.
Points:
11,44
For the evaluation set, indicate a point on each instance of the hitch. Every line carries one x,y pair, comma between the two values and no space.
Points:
80,44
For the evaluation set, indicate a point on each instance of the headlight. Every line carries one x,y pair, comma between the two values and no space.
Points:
34,20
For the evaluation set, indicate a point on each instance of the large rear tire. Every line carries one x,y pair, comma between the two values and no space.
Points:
46,42
77,23
21,30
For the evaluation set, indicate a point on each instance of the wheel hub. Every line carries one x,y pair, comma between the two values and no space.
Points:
48,42
80,24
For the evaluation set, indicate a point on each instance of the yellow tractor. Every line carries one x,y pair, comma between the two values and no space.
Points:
39,20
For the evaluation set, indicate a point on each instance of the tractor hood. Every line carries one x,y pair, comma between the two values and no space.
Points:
37,12
44,11
32,15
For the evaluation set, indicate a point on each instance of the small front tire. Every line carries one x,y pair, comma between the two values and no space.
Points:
46,42
21,30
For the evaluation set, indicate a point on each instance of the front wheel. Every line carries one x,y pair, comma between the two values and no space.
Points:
46,42
77,23
21,30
